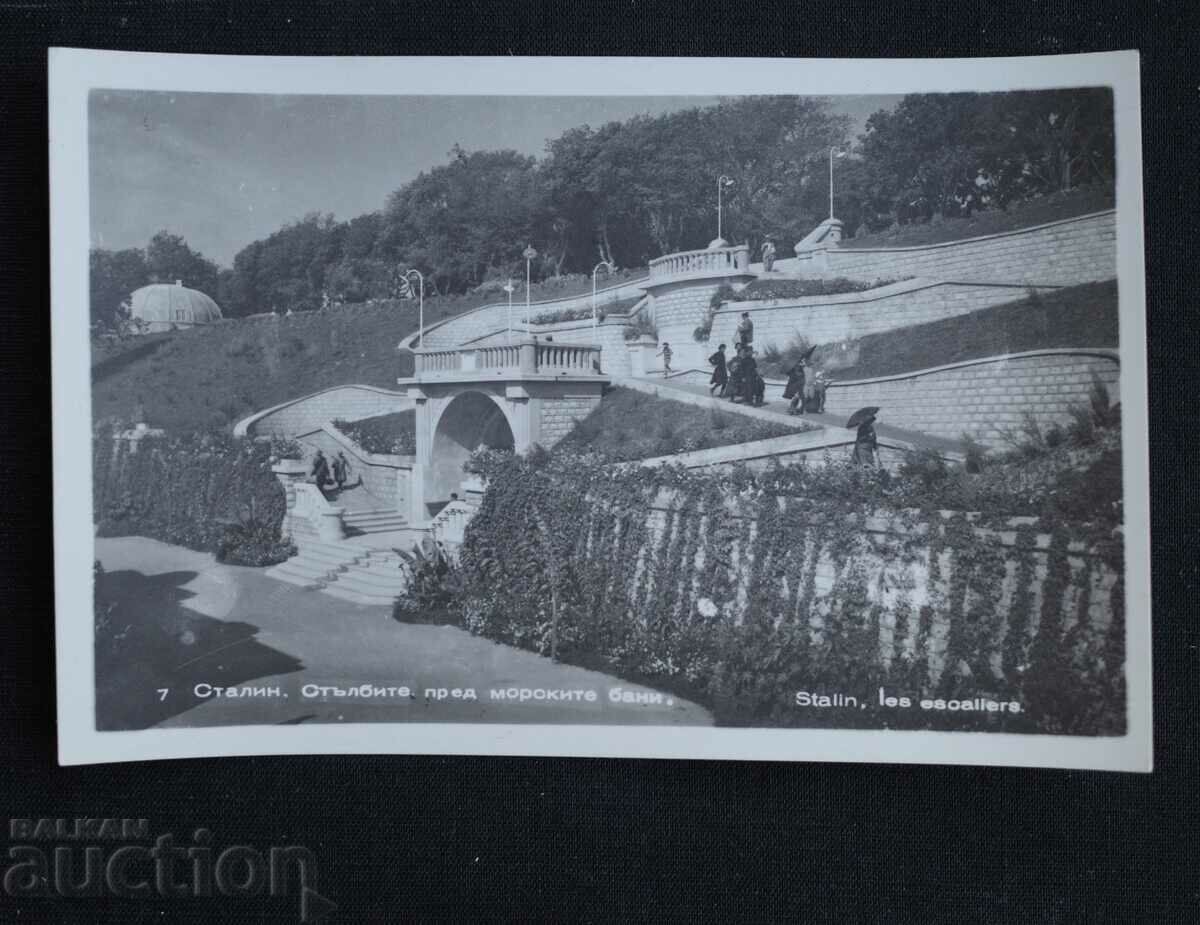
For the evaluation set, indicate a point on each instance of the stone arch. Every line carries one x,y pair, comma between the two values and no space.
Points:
468,421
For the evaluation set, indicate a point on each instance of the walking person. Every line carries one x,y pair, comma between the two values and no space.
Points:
866,444
341,471
745,330
720,374
768,255
794,389
320,470
665,353
749,376
733,387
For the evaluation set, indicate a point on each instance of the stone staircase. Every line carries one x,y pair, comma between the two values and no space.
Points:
373,520
344,570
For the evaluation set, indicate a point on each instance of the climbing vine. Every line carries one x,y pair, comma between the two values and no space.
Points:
737,589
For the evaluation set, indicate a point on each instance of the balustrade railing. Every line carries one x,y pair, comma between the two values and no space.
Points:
527,357
720,261
566,358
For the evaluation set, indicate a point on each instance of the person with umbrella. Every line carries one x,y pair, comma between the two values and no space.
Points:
866,445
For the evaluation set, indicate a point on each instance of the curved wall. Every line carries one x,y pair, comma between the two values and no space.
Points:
303,415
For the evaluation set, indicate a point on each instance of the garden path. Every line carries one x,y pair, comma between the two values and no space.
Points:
315,639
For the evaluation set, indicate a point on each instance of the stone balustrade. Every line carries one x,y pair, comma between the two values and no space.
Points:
521,358
717,261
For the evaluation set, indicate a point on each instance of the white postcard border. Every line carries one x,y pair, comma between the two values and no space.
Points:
74,72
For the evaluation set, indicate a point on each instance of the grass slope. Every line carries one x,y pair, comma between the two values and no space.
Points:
1020,215
1076,316
213,376
629,424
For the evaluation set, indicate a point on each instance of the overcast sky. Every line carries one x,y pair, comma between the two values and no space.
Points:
225,169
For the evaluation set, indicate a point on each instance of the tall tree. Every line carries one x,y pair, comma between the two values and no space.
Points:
169,259
113,276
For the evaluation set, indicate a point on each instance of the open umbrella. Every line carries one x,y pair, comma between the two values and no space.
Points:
807,354
862,415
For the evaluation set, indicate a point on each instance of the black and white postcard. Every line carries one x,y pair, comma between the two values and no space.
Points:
742,409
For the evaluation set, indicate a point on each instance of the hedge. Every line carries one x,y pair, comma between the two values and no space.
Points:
206,491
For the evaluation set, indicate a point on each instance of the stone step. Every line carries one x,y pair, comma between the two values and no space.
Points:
358,597
357,520
330,560
309,568
347,551
302,578
392,580
382,526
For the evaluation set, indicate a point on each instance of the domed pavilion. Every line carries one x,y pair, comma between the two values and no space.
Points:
165,307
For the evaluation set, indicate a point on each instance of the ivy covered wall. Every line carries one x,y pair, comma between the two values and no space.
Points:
740,590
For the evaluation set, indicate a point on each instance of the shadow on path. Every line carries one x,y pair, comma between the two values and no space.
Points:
147,641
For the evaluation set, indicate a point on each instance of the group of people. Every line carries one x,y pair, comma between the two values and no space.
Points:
737,378
324,472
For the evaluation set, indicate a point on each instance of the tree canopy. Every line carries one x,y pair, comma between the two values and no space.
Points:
630,191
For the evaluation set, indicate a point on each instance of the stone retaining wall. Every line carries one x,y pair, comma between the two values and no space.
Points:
558,416
485,320
385,477
832,318
1063,253
986,397
304,415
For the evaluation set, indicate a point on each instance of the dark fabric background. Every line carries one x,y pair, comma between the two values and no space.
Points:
430,839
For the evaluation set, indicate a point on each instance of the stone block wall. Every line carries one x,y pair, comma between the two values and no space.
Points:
828,319
1064,253
984,398
558,416
384,477
677,309
304,415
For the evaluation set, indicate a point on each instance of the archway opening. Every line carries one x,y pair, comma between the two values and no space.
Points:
470,421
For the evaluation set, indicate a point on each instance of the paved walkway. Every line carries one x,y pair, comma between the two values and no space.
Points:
230,625
777,407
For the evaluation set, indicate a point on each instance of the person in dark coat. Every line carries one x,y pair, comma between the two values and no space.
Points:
866,445
320,470
760,390
795,387
341,470
720,374
749,372
734,385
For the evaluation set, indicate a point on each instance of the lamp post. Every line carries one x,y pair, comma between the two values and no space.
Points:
595,270
529,254
722,182
832,155
509,288
421,304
